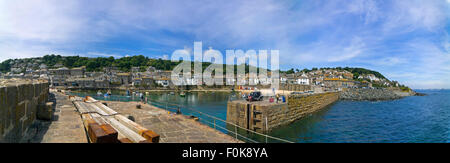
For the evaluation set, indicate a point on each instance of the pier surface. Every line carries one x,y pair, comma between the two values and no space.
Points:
66,125
263,116
171,127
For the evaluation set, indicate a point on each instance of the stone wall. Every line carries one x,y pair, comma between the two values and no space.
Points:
359,94
264,116
20,101
295,87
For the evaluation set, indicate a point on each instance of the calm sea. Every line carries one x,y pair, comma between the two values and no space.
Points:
411,119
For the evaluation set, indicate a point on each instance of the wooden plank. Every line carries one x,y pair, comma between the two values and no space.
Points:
147,134
112,134
97,109
96,115
125,140
95,133
130,124
99,119
151,136
106,108
83,108
128,133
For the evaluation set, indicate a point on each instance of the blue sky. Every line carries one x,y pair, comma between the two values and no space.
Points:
406,40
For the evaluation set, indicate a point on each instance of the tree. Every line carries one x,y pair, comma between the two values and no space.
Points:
5,66
92,65
291,71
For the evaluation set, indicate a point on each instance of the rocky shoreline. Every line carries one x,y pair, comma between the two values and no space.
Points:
357,94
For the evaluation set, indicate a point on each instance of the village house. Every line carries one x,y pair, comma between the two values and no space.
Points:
147,81
370,77
162,81
136,82
102,84
336,83
78,72
124,78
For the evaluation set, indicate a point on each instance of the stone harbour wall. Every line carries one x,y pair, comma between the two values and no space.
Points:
20,103
295,87
358,94
264,116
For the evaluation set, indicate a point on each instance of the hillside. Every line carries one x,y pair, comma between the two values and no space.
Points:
94,64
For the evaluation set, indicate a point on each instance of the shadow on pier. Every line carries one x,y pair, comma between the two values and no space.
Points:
39,128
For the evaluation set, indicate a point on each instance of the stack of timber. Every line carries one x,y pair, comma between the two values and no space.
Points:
105,125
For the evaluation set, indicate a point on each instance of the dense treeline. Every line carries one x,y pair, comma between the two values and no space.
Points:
5,66
97,64
125,64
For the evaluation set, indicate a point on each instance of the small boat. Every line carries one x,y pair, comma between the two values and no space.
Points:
182,94
172,93
99,93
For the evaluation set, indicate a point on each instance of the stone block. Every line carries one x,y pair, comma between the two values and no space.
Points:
2,97
11,96
3,109
45,111
28,92
20,92
37,89
19,112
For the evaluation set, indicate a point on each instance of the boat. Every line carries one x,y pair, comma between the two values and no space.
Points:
182,94
172,93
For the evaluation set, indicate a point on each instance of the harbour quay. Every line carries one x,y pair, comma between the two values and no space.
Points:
263,116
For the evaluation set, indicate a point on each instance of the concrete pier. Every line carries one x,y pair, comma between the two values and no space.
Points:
21,103
172,128
262,116
65,125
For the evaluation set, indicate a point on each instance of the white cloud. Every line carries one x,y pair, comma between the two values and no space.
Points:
411,15
310,32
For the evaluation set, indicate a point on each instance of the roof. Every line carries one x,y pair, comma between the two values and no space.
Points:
335,79
123,74
162,79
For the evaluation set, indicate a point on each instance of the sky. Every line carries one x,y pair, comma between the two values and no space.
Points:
406,40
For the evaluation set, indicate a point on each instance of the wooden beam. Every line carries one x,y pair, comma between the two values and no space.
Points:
130,134
97,134
147,134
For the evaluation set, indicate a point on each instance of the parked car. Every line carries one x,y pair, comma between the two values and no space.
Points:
255,96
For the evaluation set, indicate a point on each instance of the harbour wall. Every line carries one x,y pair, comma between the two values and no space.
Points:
358,94
21,102
263,116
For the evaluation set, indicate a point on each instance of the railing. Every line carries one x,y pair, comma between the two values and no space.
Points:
238,130
219,124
